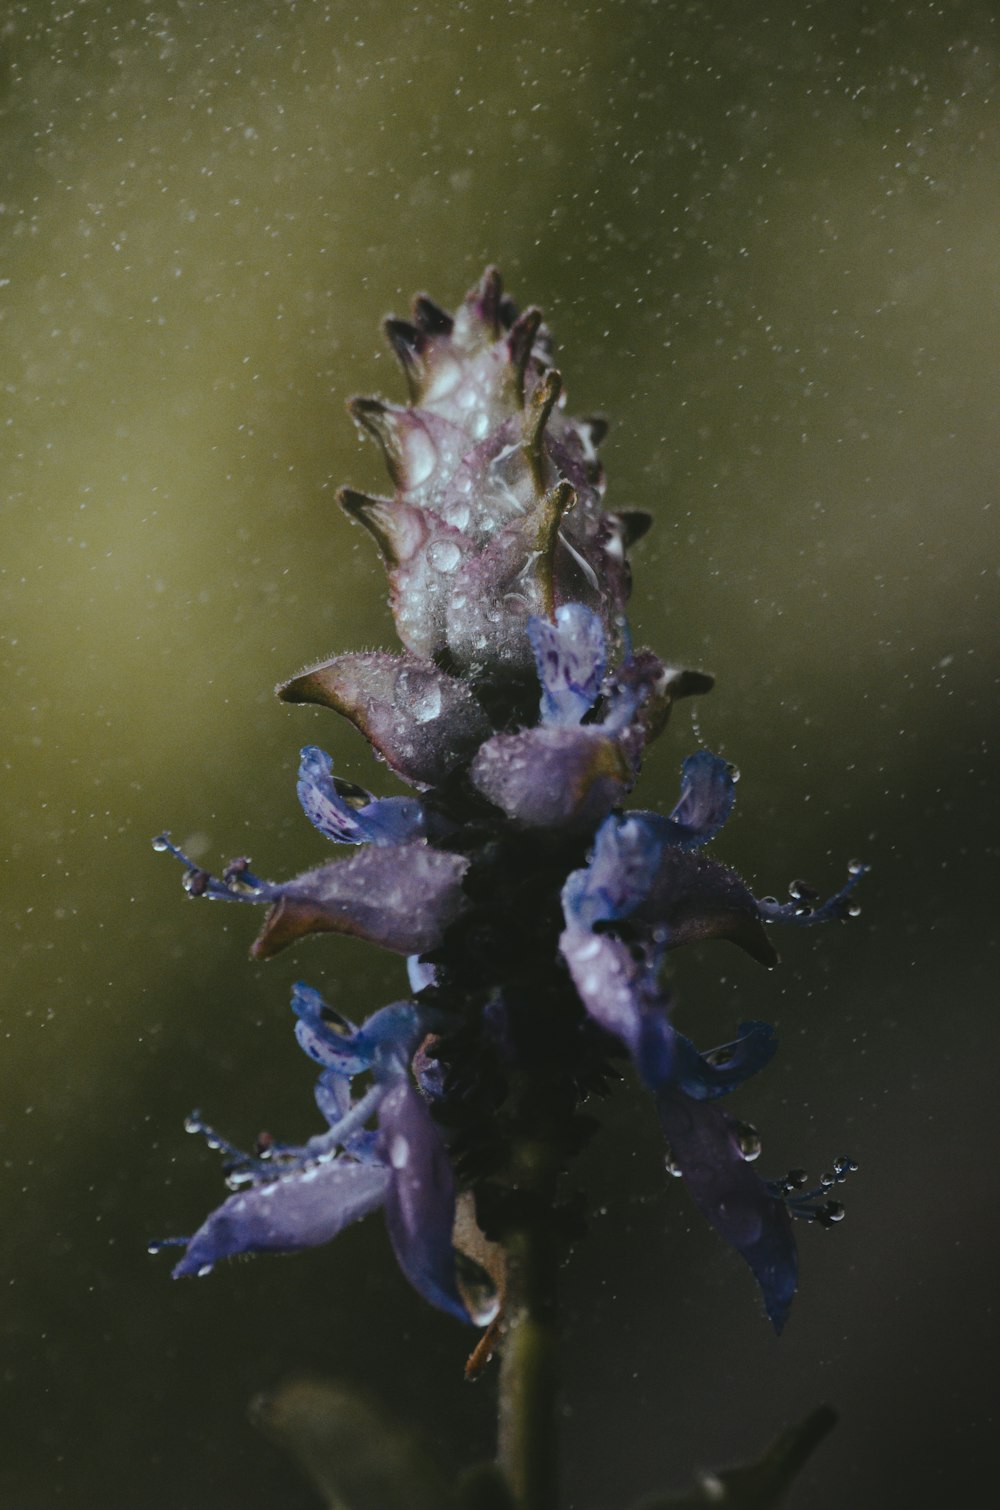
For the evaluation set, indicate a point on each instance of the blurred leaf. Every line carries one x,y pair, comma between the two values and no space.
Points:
357,1457
485,1487
764,1484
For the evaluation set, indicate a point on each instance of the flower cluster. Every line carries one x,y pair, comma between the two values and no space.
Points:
535,913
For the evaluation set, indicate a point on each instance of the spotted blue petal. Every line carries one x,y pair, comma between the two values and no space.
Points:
571,657
349,815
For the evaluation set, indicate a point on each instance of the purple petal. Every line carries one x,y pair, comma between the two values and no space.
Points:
298,1210
704,1147
571,659
609,981
424,723
694,898
706,800
403,898
420,1199
551,776
636,873
324,799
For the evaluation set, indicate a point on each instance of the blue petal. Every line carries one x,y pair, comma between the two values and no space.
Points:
298,1210
384,1043
705,1076
621,870
420,1198
388,820
571,658
327,1038
734,1199
332,1093
706,800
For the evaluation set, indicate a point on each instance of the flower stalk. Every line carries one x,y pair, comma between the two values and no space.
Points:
527,1421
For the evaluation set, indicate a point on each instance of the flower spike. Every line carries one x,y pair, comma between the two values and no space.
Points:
535,911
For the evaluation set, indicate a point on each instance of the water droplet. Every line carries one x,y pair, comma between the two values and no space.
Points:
856,867
161,844
444,555
421,457
718,1057
399,1152
747,1140
427,706
854,911
478,1290
193,1124
205,1269
734,771
833,1211
671,1165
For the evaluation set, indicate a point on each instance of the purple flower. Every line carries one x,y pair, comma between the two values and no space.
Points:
402,896
578,762
643,893
300,1197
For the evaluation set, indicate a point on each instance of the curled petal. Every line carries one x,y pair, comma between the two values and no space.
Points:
424,723
384,1044
327,804
706,800
704,1147
420,1198
721,1070
552,776
298,1210
402,897
571,659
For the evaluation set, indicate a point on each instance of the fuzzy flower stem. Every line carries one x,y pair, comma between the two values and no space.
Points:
527,1435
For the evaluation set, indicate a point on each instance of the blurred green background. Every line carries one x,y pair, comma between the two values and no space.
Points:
766,239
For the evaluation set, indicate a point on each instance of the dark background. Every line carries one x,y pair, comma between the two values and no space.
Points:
766,239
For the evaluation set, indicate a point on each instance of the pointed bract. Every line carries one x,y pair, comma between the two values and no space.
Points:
424,723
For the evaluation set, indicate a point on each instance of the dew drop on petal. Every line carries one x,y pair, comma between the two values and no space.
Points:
399,1152
671,1165
427,706
747,1140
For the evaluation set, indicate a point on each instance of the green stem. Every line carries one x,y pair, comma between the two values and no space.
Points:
527,1445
